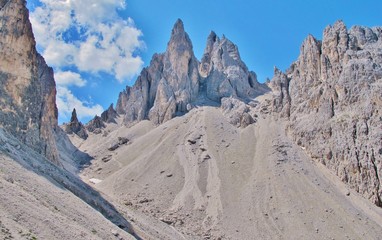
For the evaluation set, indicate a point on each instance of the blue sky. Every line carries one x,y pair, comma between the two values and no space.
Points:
97,47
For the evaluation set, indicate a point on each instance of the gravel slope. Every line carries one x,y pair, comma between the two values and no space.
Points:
37,200
209,179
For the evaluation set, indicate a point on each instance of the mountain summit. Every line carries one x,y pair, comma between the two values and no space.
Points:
332,98
175,79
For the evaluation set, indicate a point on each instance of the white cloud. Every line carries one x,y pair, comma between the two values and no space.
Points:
92,12
66,101
99,40
86,36
127,67
69,78
59,53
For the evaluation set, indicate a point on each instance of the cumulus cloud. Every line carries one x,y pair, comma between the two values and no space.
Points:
86,36
66,101
69,78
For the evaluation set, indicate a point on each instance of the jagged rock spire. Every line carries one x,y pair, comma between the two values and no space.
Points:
175,79
74,116
178,28
175,71
225,73
332,105
109,115
75,126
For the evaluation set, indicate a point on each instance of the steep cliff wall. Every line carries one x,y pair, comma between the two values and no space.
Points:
332,96
176,79
27,91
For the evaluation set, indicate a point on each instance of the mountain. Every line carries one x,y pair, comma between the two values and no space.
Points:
166,86
224,74
331,97
75,126
27,90
41,197
214,154
196,149
172,81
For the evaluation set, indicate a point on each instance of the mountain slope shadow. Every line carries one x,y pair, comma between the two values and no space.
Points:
61,178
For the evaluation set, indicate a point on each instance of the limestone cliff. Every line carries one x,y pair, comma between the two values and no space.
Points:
75,126
332,96
172,79
176,79
27,90
224,74
109,115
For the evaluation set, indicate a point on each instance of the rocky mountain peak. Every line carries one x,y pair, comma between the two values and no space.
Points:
109,115
95,125
172,78
179,40
178,28
74,116
332,98
224,73
75,126
176,79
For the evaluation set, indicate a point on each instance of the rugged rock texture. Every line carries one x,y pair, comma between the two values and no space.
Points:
175,79
237,112
27,89
95,125
109,115
333,97
166,86
75,126
224,74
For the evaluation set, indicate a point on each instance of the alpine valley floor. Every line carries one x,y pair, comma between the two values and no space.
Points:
207,179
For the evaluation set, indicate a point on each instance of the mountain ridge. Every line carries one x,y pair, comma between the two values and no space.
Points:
197,150
173,79
332,98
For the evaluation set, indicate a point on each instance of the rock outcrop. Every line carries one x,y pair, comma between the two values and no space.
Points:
166,86
109,115
175,79
27,89
332,97
224,74
75,126
237,112
95,125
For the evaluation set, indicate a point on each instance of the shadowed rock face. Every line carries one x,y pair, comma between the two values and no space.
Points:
166,86
175,79
27,90
332,96
109,115
75,126
225,74
95,125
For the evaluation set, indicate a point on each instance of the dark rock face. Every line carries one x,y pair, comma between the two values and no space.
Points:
175,79
224,74
109,115
95,125
237,112
166,86
27,91
75,126
332,96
